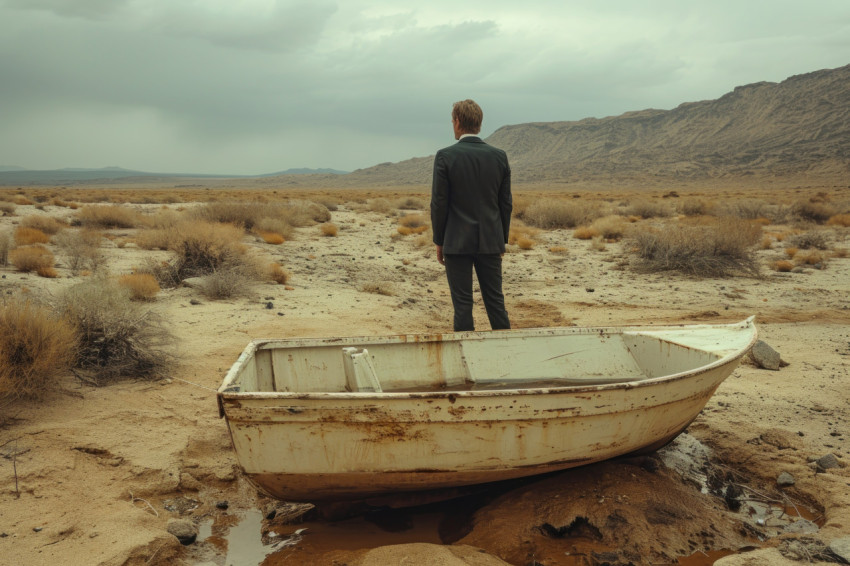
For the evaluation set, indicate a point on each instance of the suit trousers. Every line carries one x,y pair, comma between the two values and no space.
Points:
488,269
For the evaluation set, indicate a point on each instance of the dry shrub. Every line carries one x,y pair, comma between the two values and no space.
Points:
413,220
840,252
203,247
22,200
271,237
525,243
782,265
597,244
46,224
242,214
696,207
585,233
117,338
276,226
381,205
760,221
142,286
423,240
278,274
82,249
814,239
718,250
519,230
7,209
549,214
811,257
791,251
410,203
25,236
5,246
839,220
36,349
520,205
413,224
48,272
814,211
305,213
766,243
646,208
162,218
156,239
559,250
31,258
107,216
747,209
610,227
225,283
329,229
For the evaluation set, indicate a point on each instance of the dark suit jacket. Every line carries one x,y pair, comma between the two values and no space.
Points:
471,198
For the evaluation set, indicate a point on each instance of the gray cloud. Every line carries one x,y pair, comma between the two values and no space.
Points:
260,86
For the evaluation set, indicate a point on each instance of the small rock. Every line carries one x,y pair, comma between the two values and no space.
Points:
590,289
785,479
194,302
38,529
765,356
222,504
841,548
269,305
827,462
801,526
185,530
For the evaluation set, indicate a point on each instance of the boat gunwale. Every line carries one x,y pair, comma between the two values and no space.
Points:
257,344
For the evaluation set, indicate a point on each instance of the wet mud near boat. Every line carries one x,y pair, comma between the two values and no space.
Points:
675,508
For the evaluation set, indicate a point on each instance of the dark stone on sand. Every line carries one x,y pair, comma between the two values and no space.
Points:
827,462
222,504
785,479
765,356
269,305
185,530
194,302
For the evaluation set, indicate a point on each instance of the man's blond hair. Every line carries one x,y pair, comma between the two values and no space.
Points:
468,115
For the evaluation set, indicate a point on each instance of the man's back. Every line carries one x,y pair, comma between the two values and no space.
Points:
471,198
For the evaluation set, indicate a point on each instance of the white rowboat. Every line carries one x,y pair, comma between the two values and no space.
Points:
352,418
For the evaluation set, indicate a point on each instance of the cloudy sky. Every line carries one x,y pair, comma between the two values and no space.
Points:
258,86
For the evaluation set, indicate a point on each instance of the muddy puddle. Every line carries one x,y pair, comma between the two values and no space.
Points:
249,537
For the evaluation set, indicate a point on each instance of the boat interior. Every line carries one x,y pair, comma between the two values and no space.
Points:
492,361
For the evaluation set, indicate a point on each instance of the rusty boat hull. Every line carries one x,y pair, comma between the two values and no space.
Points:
355,418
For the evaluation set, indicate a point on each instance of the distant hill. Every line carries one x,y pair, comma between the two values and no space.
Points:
11,168
303,171
798,126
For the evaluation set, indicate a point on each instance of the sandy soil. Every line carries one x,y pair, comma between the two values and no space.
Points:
87,476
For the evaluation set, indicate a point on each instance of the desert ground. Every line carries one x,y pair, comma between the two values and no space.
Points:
92,474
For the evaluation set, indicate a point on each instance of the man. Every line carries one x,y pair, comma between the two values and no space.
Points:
471,215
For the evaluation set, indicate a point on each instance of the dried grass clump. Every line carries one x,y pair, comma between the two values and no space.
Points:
36,349
814,210
25,236
548,214
225,283
7,209
305,213
722,249
82,249
329,229
271,237
278,274
782,265
585,233
696,207
22,200
107,216
46,224
747,209
203,248
646,208
811,257
791,251
814,239
155,239
142,286
839,220
611,227
410,203
31,258
381,205
5,246
521,232
243,214
413,224
525,243
559,250
276,226
117,338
